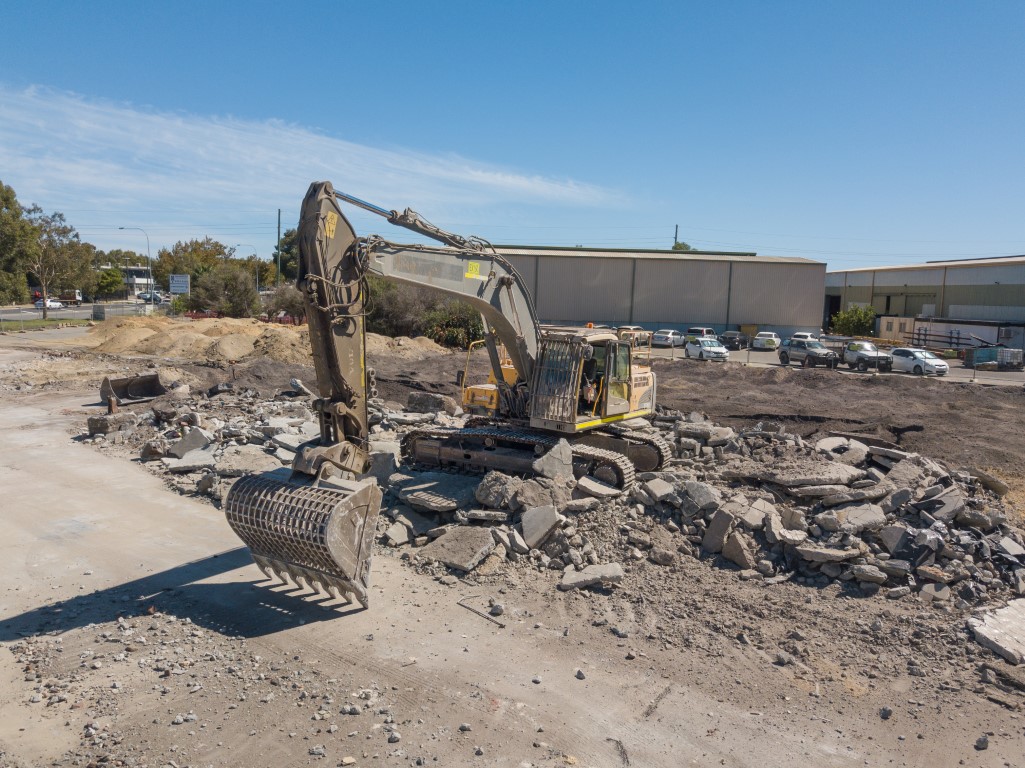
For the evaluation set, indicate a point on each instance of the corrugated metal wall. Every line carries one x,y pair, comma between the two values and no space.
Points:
674,293
786,295
668,292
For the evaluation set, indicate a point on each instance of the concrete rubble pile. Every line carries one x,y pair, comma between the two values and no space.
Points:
769,503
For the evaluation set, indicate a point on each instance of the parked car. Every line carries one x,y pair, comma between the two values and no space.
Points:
667,338
918,362
50,304
155,298
634,334
765,340
807,353
706,349
805,336
734,340
700,333
864,355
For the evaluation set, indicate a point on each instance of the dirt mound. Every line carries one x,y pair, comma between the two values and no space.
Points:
419,348
225,340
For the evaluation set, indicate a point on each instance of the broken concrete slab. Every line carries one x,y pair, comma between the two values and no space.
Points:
989,482
718,531
385,458
397,535
842,449
596,488
439,492
557,462
112,422
498,490
193,440
862,517
193,461
462,548
610,573
895,537
658,489
703,495
537,523
239,460
819,553
486,515
868,573
288,441
737,550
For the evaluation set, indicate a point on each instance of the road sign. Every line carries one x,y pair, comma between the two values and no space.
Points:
180,284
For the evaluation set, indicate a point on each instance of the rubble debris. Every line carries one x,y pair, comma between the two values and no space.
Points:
842,508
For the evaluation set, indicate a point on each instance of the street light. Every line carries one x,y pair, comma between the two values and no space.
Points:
149,261
247,245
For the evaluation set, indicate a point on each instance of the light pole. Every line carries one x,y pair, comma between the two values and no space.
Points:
247,245
149,261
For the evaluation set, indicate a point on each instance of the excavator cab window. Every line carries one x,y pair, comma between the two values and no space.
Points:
618,380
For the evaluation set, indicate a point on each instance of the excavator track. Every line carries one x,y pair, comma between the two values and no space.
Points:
655,442
479,449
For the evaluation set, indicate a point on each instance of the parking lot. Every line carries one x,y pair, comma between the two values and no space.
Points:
765,358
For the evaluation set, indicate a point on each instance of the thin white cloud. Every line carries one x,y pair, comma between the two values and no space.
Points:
108,164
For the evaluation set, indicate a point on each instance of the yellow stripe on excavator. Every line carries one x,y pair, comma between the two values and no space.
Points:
610,419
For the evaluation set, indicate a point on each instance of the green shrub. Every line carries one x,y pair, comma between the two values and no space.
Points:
854,321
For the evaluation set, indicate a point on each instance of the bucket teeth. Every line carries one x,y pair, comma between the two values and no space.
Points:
319,538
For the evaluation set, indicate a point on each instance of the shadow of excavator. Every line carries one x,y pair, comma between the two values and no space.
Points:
246,608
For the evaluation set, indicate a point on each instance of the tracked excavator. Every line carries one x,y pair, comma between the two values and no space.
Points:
315,524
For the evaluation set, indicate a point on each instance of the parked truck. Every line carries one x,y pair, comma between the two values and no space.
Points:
864,355
71,298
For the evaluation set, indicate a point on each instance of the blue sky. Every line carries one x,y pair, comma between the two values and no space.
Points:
854,133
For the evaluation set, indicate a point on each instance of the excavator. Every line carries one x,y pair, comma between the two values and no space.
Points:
316,524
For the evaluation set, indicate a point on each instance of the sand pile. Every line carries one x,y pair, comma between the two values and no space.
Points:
225,340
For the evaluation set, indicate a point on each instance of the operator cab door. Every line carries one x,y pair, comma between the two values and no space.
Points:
617,376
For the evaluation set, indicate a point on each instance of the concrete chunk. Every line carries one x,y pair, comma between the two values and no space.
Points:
239,460
738,551
537,523
1003,631
815,553
611,573
193,440
704,496
718,531
193,461
596,488
462,548
439,492
558,462
428,402
658,489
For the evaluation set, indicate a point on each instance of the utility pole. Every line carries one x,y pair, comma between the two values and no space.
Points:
676,236
277,275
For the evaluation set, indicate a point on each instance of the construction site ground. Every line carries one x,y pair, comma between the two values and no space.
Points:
136,631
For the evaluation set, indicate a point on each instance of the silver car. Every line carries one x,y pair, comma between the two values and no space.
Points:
667,338
918,362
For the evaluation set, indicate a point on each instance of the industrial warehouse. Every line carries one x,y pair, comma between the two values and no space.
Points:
666,288
947,301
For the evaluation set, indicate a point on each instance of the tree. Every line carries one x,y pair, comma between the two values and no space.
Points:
194,258
110,282
57,258
287,299
17,239
228,289
854,321
289,251
681,246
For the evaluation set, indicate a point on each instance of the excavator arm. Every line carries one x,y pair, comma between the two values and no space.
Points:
317,525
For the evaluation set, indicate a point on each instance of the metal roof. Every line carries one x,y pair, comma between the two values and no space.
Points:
996,261
643,253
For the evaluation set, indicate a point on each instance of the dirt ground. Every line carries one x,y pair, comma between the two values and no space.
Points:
137,632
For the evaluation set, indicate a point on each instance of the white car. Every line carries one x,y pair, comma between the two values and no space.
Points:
765,340
805,336
918,362
706,349
667,338
50,304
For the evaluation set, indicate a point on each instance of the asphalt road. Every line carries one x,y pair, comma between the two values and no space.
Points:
84,312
